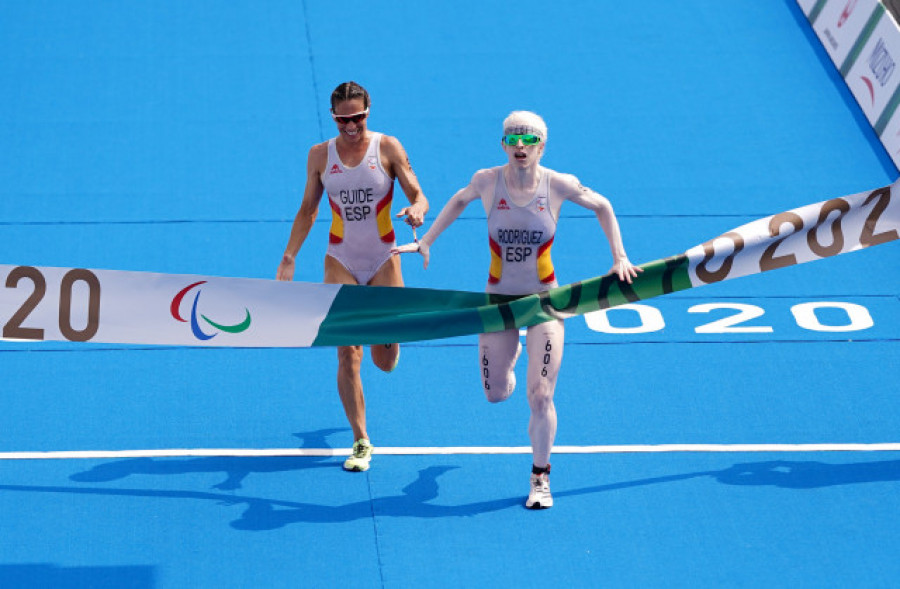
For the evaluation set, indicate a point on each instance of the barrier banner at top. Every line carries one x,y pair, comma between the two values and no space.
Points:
863,41
122,307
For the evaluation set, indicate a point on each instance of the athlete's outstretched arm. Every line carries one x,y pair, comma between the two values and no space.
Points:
571,189
309,208
454,207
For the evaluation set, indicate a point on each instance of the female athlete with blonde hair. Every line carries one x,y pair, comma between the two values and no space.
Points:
522,200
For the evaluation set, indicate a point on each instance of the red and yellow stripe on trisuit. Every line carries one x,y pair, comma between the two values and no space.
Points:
336,234
545,270
383,217
496,268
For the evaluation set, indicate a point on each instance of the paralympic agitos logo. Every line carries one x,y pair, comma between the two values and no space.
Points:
175,309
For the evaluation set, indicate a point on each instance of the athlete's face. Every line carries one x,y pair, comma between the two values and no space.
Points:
523,156
350,117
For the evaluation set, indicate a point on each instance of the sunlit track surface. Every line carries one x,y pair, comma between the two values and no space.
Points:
691,453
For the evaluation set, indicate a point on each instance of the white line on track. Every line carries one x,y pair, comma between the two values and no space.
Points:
447,450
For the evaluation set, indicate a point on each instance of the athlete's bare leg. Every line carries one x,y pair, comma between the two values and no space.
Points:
385,356
497,357
349,360
544,344
497,354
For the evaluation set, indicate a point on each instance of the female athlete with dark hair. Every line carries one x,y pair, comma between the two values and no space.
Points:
357,170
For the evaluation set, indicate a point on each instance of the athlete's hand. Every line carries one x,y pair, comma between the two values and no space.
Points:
418,246
415,214
625,270
285,269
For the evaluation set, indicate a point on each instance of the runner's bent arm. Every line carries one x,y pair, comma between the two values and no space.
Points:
402,170
309,208
569,188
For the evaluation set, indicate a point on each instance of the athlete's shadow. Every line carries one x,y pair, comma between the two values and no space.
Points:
270,515
778,473
236,468
810,474
263,515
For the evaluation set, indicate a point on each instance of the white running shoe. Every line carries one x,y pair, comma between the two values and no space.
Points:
539,497
361,456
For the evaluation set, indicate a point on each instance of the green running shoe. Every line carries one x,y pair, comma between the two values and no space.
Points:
359,459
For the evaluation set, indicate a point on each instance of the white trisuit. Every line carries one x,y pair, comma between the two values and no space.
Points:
359,197
521,234
520,240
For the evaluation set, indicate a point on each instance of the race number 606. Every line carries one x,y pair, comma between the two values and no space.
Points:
29,276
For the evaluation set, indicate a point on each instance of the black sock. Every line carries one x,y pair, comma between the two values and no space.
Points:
538,470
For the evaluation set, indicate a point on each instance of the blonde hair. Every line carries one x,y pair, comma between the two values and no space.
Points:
520,122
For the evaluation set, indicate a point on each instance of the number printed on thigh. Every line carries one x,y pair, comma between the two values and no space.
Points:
548,347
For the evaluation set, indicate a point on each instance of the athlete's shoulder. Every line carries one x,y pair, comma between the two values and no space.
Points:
391,144
483,180
318,155
486,174
566,185
562,179
319,149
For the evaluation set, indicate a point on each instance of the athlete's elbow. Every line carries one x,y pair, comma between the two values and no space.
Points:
307,213
604,211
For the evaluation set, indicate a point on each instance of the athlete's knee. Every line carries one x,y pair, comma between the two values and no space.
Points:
349,358
497,394
497,363
540,397
498,384
386,356
498,388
